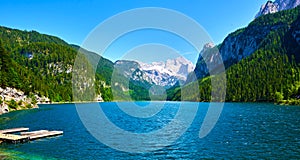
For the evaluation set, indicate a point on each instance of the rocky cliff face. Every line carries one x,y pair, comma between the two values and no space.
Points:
235,47
276,6
241,44
287,4
268,8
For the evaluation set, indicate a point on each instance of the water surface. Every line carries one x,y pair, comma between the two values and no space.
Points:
244,130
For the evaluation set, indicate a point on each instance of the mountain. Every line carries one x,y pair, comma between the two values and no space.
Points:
43,65
262,61
276,6
243,42
133,80
165,74
178,67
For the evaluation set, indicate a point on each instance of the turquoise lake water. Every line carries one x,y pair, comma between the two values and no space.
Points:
244,130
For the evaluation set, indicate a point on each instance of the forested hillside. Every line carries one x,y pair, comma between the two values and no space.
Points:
272,72
42,64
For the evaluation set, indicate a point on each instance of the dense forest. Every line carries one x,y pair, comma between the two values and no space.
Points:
42,64
271,73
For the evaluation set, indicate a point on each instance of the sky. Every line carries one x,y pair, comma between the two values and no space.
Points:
74,20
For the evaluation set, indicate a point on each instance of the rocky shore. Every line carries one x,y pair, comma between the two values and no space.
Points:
12,99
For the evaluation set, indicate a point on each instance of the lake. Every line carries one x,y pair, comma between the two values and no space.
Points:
244,130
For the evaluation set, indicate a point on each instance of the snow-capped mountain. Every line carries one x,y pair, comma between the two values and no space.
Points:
179,67
165,74
155,77
276,6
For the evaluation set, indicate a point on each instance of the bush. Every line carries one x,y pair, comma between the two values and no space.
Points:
278,97
20,102
28,106
13,104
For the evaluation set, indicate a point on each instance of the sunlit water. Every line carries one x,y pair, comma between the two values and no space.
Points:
244,130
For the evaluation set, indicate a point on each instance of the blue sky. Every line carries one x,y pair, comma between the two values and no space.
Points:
73,20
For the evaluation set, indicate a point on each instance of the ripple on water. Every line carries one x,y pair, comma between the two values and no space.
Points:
244,131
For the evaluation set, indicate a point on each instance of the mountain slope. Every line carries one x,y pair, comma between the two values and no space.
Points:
244,42
43,64
270,73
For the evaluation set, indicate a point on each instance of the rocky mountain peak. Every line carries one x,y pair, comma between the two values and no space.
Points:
165,73
276,6
268,8
178,67
207,46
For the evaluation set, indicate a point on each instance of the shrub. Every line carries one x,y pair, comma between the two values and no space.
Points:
13,104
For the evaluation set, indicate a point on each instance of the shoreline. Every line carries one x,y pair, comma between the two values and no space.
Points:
82,102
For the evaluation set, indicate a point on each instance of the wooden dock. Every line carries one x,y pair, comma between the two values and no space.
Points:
25,136
46,134
11,138
13,130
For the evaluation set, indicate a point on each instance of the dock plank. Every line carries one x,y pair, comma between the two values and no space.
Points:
13,130
45,134
34,132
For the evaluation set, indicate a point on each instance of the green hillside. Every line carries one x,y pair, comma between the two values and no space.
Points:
42,64
271,73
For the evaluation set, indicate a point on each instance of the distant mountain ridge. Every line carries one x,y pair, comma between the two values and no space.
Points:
178,67
276,6
165,74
